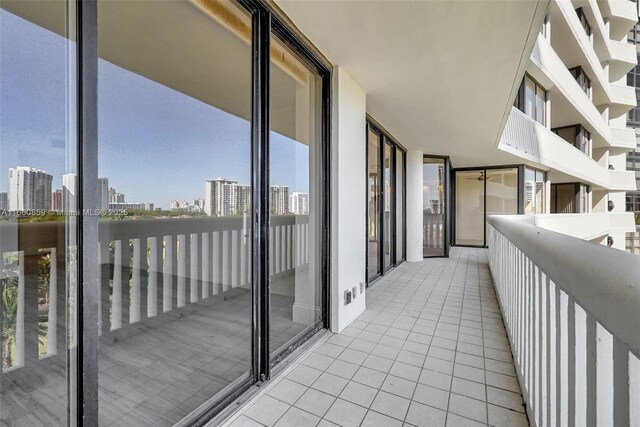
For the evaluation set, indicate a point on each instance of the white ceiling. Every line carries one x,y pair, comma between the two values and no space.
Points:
440,76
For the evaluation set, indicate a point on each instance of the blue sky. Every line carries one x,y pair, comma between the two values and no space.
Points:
155,144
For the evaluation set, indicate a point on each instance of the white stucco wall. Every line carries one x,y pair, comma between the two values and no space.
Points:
414,206
348,192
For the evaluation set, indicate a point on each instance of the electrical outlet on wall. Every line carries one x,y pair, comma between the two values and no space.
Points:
347,297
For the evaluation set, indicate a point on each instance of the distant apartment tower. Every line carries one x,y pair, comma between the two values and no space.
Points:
220,197
4,201
279,199
56,201
103,193
29,188
243,199
115,197
299,203
633,157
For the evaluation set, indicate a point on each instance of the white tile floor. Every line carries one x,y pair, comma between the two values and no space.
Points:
430,350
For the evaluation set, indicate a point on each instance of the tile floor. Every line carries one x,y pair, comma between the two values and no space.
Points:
430,350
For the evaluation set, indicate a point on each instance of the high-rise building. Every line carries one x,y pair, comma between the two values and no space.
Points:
29,188
220,197
4,201
243,199
56,201
633,157
279,199
299,203
103,193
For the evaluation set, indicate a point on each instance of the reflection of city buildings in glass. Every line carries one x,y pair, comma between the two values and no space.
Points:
56,201
29,188
4,201
279,199
299,203
103,193
434,202
141,206
69,191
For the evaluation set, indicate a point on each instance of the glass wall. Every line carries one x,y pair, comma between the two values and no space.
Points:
535,189
469,226
480,193
388,213
531,100
433,206
38,242
174,173
373,204
294,201
570,198
501,191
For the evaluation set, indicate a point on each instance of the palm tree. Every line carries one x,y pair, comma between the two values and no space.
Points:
9,319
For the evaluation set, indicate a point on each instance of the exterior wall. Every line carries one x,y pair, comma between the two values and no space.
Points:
348,192
414,206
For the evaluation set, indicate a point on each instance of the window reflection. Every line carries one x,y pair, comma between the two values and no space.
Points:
294,198
174,177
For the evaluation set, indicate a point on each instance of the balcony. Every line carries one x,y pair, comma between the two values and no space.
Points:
571,312
163,282
622,14
623,99
622,180
528,139
623,139
623,59
430,349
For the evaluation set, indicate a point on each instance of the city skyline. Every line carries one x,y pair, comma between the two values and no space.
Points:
137,117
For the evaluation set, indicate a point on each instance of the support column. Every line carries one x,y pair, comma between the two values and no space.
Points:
414,206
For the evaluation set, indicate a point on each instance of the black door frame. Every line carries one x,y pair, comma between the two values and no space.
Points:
385,138
266,20
447,197
484,169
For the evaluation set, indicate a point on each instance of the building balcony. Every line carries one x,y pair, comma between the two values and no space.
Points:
623,99
623,139
528,139
622,15
623,59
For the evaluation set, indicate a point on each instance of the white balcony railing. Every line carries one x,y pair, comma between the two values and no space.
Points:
570,308
148,267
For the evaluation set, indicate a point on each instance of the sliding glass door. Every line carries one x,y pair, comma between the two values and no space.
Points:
385,202
482,192
164,242
373,204
434,206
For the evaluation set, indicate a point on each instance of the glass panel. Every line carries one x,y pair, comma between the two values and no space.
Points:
534,192
433,207
38,246
399,205
174,168
388,195
373,205
295,199
502,191
563,198
541,193
540,111
470,208
529,97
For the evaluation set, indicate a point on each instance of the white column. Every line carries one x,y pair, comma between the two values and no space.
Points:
414,206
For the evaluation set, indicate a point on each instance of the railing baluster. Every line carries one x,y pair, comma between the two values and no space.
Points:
634,391
206,264
116,286
591,370
564,362
155,255
580,381
52,315
621,384
135,281
167,273
226,260
104,302
216,257
604,377
182,269
571,361
235,258
195,268
126,283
